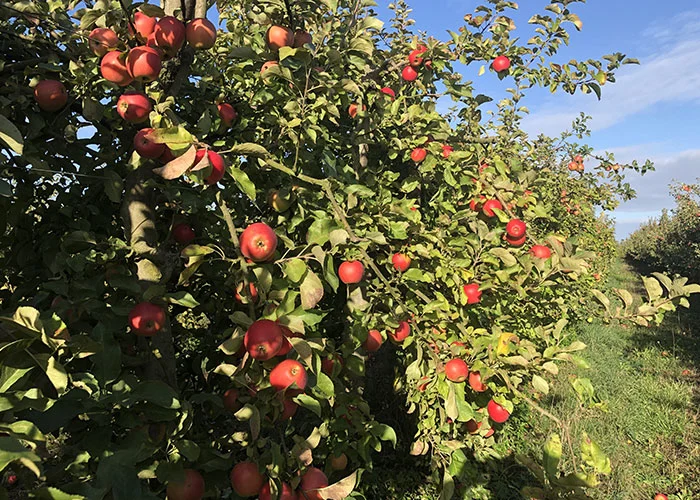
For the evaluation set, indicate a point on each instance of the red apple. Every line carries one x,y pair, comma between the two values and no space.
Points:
246,480
388,91
266,66
401,333
217,163
264,339
143,63
144,26
418,154
490,205
286,373
540,252
312,480
472,292
134,106
328,364
414,58
475,382
301,38
183,234
278,37
286,493
251,289
660,496
146,319
374,341
352,109
501,63
351,271
286,344
339,462
401,261
409,74
227,113
496,412
50,95
113,68
190,488
472,426
447,150
102,40
289,408
516,228
456,370
170,34
145,147
516,242
201,33
230,400
258,242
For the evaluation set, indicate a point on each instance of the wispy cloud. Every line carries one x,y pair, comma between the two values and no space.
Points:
671,74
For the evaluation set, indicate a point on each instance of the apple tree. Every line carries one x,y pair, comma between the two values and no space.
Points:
210,238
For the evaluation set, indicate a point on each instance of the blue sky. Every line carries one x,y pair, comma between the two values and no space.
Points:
653,111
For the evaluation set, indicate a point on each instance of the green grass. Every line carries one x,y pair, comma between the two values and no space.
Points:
647,379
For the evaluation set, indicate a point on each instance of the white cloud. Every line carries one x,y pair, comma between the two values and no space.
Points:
670,75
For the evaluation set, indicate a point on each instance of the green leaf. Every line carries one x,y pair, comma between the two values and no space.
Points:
51,493
182,298
174,137
540,384
504,255
325,384
341,489
552,456
594,456
113,186
385,433
653,287
309,403
243,182
249,149
10,135
12,450
311,291
448,486
295,270
451,408
188,449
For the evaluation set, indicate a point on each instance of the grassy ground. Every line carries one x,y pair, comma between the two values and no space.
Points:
648,381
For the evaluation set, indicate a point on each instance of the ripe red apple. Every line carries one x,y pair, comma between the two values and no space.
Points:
301,38
401,333
475,382
146,319
143,63
501,63
278,37
374,341
286,493
388,91
456,370
352,109
496,412
113,68
516,242
266,66
540,252
409,74
289,409
414,58
146,147
134,106
312,480
167,155
418,154
227,113
201,33
489,207
339,462
170,34
183,233
246,480
191,488
230,400
50,95
286,373
144,26
472,292
472,426
217,163
258,242
286,344
263,339
660,496
328,364
401,261
447,150
251,289
102,40
516,228
351,271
